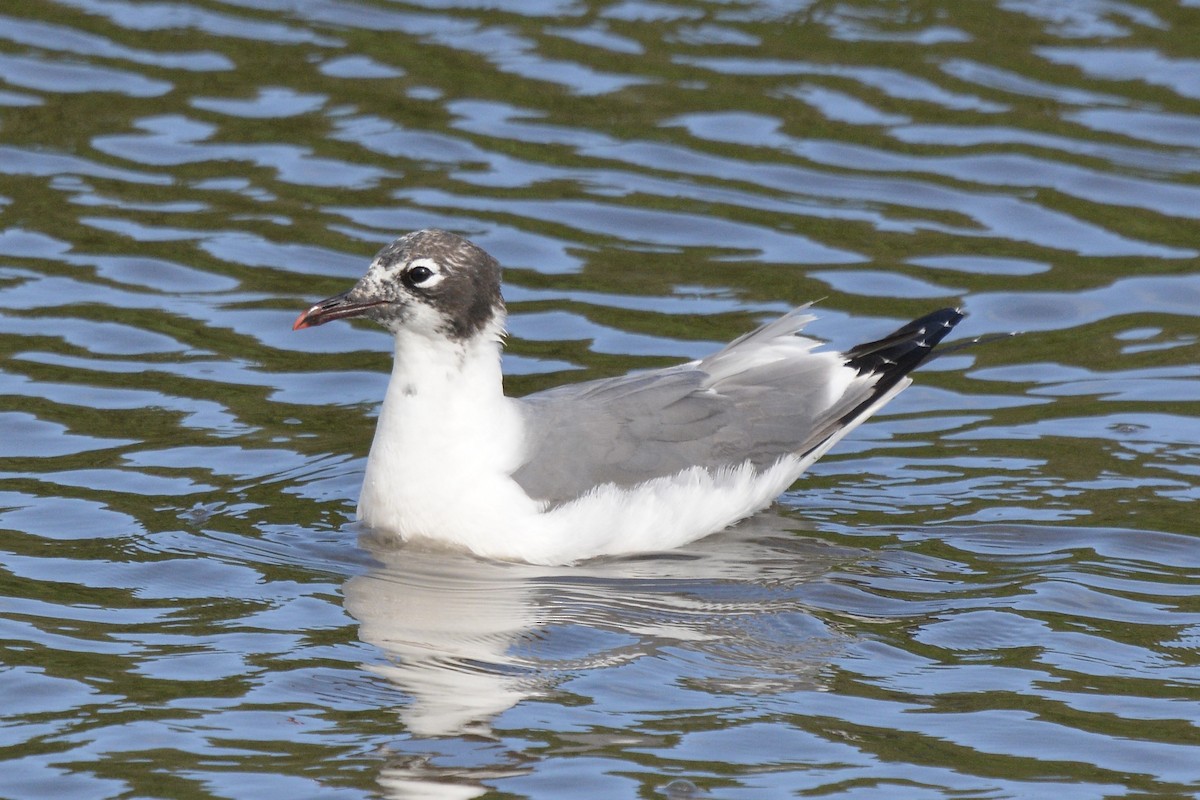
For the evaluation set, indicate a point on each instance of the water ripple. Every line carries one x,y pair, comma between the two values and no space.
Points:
987,590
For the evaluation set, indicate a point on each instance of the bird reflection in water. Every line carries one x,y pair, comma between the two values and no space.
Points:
467,639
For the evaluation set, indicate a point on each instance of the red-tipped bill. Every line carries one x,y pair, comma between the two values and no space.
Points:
339,306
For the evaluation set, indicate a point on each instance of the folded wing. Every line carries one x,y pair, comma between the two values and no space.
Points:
765,395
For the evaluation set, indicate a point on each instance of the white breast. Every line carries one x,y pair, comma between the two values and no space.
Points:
445,445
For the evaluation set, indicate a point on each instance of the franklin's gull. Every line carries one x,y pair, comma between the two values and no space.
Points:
646,461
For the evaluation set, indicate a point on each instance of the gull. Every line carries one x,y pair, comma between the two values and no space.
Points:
642,462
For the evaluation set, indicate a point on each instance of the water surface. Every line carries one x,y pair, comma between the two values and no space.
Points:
988,591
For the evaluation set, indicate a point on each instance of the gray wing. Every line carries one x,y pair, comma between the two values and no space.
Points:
761,397
754,399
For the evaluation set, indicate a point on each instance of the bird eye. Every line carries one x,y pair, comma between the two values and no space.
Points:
417,275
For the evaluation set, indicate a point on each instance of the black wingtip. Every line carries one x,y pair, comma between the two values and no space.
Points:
900,352
903,349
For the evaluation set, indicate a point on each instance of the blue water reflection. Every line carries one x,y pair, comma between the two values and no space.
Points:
988,590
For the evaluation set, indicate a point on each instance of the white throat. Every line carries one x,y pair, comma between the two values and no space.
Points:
447,439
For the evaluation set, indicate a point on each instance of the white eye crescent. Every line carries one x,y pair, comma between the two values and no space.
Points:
422,273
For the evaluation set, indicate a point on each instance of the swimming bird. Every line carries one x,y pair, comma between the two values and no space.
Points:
642,462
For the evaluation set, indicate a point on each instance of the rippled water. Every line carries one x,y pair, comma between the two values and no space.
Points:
989,591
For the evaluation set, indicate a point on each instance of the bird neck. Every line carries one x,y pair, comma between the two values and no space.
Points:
445,405
444,373
445,428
